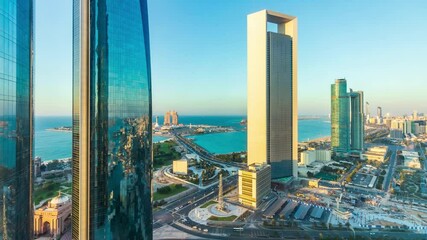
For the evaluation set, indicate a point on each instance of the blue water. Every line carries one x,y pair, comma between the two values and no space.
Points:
55,145
220,143
50,144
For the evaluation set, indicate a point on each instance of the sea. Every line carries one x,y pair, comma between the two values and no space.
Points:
51,145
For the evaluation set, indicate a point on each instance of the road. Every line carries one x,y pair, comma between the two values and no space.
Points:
391,166
168,213
205,155
422,156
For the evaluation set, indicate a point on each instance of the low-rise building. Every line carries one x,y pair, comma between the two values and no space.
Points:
254,184
180,167
308,157
54,218
313,183
375,153
411,159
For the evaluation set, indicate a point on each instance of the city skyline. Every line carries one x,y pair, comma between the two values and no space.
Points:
324,56
109,172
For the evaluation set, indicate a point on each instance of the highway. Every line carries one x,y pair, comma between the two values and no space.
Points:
391,167
169,213
205,155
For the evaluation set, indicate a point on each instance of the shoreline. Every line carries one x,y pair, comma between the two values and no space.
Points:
58,130
320,139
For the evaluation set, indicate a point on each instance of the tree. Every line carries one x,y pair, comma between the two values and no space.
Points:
347,224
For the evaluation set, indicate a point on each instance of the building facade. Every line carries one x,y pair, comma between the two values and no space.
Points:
347,119
167,119
357,121
174,115
340,117
16,119
55,218
112,115
180,167
272,87
254,184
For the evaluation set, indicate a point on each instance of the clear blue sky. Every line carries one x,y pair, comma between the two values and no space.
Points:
198,53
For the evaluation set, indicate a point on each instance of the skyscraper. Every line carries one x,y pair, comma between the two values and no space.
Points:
16,119
357,121
347,119
174,118
167,120
367,111
111,120
379,115
272,92
340,117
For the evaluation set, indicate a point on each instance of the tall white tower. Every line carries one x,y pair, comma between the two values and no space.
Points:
272,92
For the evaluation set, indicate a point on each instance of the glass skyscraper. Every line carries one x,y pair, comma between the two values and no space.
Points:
112,155
347,119
357,119
340,117
16,119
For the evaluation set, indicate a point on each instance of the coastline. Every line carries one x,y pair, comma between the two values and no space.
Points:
320,139
58,130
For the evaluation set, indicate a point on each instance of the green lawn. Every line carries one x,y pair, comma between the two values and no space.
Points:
175,190
164,154
326,176
207,204
230,218
47,190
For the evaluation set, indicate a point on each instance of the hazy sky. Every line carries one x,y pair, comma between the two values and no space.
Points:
198,53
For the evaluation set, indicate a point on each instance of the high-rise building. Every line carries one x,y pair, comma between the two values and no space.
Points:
340,117
348,119
112,118
357,121
367,112
379,115
167,120
16,119
254,184
272,92
415,115
174,115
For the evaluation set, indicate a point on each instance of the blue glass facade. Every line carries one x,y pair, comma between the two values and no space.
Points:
16,116
112,120
340,117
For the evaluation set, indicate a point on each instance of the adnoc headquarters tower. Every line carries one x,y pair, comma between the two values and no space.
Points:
272,93
16,119
111,120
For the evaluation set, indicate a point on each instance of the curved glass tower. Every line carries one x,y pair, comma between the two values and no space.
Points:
111,120
16,116
340,117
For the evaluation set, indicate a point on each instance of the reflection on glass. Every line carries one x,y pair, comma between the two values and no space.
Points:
119,120
15,119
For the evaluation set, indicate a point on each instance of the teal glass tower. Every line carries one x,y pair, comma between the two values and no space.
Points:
357,121
16,119
347,119
340,117
112,154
